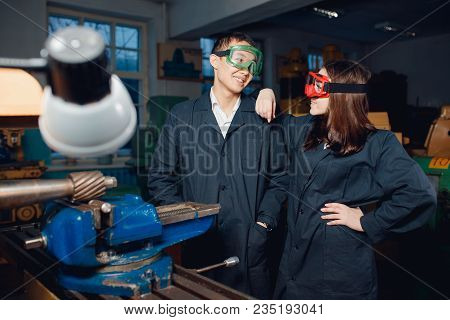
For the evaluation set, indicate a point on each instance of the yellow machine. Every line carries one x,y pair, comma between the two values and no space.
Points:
381,121
437,143
435,161
18,111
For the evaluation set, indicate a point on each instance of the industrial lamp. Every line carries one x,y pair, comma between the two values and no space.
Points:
86,111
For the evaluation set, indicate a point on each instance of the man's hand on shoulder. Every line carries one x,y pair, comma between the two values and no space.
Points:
266,104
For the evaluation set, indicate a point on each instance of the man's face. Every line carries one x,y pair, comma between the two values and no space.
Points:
232,78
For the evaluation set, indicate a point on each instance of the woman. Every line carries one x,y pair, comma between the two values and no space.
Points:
340,166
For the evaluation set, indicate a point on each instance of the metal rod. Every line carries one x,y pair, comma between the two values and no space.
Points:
16,193
78,186
230,262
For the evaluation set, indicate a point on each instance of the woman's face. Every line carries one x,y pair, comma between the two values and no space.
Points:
319,105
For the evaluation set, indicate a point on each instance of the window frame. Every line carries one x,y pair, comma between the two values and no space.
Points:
143,62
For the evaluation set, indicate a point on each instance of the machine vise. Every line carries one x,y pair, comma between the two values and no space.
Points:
112,246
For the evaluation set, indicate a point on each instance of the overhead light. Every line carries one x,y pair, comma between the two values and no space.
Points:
326,13
386,27
390,27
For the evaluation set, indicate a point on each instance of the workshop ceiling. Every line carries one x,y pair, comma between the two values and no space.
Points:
357,19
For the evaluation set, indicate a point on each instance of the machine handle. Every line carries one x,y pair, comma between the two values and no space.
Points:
33,243
230,262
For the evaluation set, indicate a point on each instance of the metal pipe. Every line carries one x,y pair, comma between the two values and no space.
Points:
78,186
17,193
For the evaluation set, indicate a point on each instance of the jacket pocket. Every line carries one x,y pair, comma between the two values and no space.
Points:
257,245
258,269
348,261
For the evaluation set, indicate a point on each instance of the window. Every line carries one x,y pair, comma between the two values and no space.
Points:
315,60
208,72
125,41
59,22
207,45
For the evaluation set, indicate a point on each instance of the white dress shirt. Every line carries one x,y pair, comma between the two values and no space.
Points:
223,120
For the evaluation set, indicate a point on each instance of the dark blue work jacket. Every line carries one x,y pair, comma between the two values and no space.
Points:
194,162
336,262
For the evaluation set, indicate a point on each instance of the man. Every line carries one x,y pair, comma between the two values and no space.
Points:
211,150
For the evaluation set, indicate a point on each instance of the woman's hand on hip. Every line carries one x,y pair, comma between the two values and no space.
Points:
340,214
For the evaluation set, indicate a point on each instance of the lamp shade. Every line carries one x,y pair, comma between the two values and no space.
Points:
89,130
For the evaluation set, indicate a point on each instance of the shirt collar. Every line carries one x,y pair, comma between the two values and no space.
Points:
215,103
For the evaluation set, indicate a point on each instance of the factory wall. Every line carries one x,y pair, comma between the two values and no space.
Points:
279,41
413,58
416,58
23,30
205,13
205,17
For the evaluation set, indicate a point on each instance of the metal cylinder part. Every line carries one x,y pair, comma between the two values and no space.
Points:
77,61
17,193
37,242
79,186
232,261
89,184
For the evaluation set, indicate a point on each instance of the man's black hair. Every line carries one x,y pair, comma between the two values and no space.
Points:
224,40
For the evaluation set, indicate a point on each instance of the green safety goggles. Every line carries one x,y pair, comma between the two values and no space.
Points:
243,57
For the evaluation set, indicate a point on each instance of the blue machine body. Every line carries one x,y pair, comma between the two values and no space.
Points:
126,283
70,235
132,220
122,259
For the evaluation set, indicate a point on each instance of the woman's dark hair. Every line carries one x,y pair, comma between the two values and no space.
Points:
345,126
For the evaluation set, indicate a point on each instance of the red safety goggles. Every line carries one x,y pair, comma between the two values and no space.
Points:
320,86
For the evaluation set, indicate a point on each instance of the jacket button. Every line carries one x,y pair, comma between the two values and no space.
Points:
300,211
222,187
